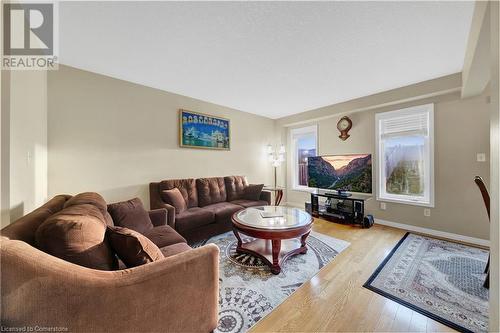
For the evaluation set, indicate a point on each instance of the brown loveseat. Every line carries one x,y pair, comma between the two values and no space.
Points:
178,293
210,204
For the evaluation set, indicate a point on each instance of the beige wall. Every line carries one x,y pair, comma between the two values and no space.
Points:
28,141
114,137
458,137
494,324
5,149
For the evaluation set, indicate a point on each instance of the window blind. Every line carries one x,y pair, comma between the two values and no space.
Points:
415,123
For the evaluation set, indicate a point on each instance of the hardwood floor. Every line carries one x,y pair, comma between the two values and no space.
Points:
335,301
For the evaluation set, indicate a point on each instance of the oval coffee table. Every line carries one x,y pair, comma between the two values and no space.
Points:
276,238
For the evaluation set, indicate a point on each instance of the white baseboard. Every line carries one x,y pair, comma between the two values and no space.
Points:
437,233
427,231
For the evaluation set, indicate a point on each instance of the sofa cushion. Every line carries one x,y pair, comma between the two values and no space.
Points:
92,198
187,188
77,234
253,191
131,247
174,249
223,210
210,190
235,185
193,218
249,203
164,236
174,198
131,214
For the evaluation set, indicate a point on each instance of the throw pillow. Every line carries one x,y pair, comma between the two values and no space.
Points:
252,192
91,198
131,214
131,247
174,197
77,234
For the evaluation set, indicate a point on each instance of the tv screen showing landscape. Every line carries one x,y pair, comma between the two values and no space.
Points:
351,173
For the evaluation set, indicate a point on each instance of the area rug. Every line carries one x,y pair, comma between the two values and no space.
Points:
442,280
249,291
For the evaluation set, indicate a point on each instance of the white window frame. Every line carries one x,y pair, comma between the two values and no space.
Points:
428,200
294,132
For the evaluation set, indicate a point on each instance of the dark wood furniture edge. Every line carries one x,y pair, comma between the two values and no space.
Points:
486,198
275,236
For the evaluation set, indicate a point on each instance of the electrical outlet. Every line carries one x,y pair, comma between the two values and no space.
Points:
481,157
427,212
383,206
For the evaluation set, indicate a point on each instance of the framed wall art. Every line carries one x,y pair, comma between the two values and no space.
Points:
199,130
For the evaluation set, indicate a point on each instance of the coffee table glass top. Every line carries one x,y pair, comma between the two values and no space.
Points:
280,217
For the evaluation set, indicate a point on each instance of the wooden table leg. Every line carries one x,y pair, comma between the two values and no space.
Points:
303,242
278,197
275,268
486,283
235,232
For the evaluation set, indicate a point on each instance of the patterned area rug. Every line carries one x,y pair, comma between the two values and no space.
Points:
248,289
440,279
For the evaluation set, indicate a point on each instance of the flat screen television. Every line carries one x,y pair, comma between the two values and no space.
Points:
351,173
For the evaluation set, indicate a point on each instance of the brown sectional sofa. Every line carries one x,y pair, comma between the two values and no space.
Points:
210,204
42,290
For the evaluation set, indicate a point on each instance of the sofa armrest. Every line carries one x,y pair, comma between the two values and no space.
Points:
170,214
159,216
175,294
156,202
265,196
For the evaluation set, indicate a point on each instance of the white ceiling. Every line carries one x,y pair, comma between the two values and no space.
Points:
269,58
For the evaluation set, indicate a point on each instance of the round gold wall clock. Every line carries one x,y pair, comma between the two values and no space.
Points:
344,126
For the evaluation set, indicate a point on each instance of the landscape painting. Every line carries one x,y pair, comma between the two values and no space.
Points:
198,130
351,173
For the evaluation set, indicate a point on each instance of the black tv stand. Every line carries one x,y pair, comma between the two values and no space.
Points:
339,207
339,194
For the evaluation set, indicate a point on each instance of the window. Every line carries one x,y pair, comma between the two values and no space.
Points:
405,155
303,144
